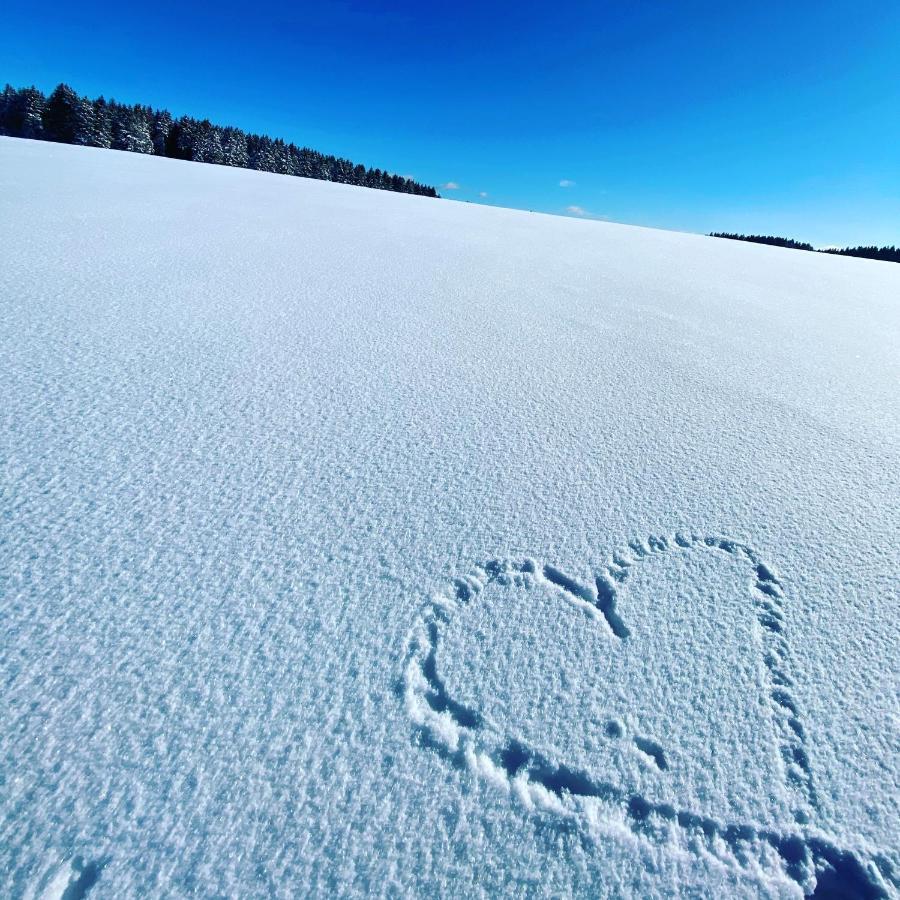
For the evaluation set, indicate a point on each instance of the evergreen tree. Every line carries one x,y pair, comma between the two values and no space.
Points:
234,148
25,113
890,254
280,158
69,118
887,254
130,128
260,153
184,136
322,167
32,105
160,128
207,144
304,165
8,102
763,239
101,124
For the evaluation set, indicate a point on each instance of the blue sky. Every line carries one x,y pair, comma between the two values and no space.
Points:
773,117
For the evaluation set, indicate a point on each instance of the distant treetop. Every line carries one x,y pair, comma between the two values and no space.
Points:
68,118
888,254
764,239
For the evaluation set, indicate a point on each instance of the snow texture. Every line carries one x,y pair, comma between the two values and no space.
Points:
357,543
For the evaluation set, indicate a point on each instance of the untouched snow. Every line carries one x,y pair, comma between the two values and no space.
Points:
358,543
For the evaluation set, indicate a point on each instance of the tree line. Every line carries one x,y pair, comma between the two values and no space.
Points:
68,118
888,254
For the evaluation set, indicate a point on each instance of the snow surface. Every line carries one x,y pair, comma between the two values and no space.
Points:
360,543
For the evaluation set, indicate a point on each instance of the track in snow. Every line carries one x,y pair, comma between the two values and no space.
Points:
463,736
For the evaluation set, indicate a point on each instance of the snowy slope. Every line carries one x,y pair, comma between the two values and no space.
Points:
360,543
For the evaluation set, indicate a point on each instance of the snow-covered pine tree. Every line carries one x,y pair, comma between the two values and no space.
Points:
234,147
160,128
207,145
183,137
322,168
295,161
26,114
261,153
130,128
281,158
67,117
8,101
307,162
101,125
342,171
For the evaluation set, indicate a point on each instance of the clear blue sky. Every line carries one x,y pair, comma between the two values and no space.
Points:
772,117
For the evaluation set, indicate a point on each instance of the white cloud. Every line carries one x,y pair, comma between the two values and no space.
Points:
566,183
450,186
583,213
482,194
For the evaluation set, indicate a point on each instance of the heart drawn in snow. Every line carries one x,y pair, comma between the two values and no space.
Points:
606,703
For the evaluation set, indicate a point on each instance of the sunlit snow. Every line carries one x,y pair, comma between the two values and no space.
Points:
355,543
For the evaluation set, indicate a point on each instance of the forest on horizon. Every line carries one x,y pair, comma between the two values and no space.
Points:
68,118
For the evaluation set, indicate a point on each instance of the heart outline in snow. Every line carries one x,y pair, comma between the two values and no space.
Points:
463,737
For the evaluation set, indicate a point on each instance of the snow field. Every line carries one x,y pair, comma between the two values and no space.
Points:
359,543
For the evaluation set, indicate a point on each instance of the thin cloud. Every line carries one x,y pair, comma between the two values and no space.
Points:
482,194
566,182
450,186
583,213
